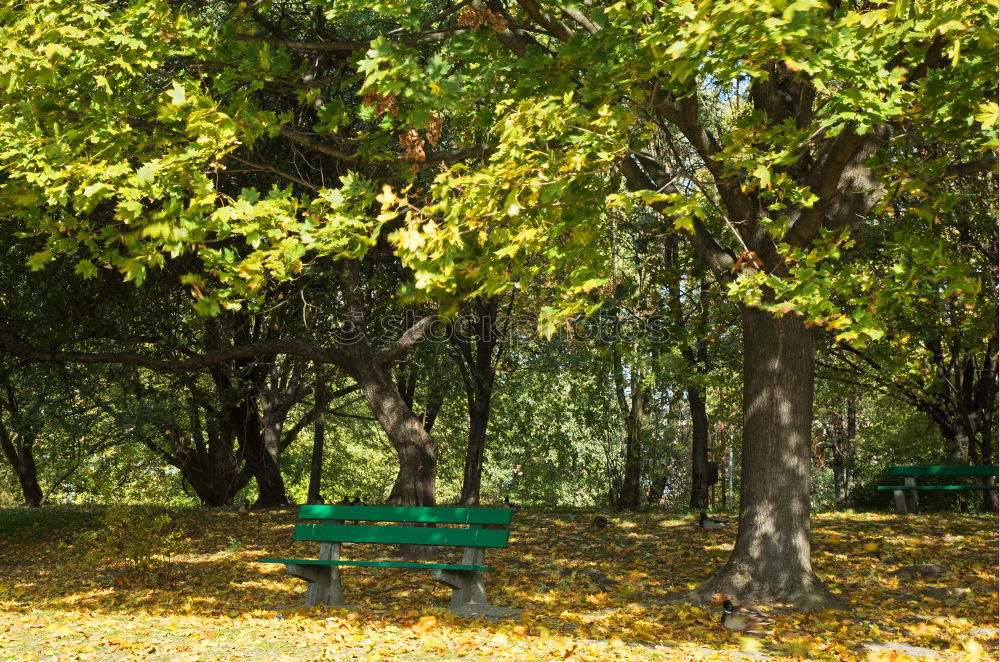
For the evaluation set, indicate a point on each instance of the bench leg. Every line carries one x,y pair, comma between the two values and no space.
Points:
468,587
911,496
900,497
324,580
906,500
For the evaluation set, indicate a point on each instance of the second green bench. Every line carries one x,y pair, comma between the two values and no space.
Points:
398,525
906,494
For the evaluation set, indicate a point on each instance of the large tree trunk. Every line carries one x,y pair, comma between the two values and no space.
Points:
699,447
261,460
957,442
415,448
770,561
204,453
214,485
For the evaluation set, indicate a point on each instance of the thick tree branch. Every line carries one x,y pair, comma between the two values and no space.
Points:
11,344
685,115
974,167
292,433
315,145
709,249
846,188
456,155
410,337
432,159
580,18
550,24
309,46
517,41
266,168
417,39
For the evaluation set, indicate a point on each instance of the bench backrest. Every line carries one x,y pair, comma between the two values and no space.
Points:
330,526
946,470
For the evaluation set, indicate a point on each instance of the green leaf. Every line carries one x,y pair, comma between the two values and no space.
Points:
177,94
85,268
39,260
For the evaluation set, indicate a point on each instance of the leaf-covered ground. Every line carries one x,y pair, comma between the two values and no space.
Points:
587,593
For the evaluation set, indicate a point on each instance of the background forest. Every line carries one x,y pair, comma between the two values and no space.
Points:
557,430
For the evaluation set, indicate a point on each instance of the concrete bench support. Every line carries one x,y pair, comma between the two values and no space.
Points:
906,500
324,580
468,586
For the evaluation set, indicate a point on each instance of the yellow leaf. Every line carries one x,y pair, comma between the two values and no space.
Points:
424,624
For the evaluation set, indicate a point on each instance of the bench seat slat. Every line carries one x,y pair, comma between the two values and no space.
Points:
945,470
937,487
383,564
424,515
401,535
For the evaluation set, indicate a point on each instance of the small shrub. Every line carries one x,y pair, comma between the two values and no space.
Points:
136,539
233,545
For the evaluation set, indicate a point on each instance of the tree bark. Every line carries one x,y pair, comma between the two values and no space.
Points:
472,476
22,460
415,448
841,446
479,354
260,459
16,443
770,561
319,431
630,497
957,442
626,494
699,447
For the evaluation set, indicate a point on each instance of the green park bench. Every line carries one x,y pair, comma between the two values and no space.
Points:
906,494
396,526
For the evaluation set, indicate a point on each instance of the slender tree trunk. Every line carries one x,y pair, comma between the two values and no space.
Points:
480,345
697,359
852,435
479,417
631,493
22,460
626,494
841,446
699,447
273,423
319,430
770,561
839,491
